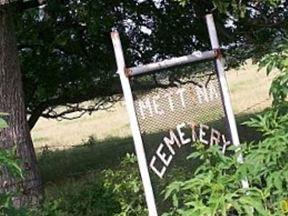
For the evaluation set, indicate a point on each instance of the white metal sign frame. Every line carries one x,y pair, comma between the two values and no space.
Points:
125,73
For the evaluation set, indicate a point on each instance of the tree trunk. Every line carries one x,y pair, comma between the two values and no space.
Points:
12,102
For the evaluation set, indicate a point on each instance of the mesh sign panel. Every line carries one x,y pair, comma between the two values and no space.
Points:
161,109
174,117
180,113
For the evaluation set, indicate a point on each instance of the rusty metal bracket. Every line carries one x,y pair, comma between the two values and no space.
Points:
128,72
218,53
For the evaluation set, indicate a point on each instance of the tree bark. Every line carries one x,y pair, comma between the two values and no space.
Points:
17,134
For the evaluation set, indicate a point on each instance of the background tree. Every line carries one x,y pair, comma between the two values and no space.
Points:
12,101
67,57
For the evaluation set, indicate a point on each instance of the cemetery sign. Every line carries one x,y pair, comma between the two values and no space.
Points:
166,120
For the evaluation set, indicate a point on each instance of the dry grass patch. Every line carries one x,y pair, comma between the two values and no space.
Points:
249,90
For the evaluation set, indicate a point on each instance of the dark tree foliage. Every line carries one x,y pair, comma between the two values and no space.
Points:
67,56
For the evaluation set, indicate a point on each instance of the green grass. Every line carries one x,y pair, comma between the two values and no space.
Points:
66,173
98,155
75,162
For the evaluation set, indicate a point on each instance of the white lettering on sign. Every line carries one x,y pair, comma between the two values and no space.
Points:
172,140
215,137
193,131
202,133
144,105
180,92
225,143
163,156
156,107
150,106
155,170
164,153
170,100
206,94
182,134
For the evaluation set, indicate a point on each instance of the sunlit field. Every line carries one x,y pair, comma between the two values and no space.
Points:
249,91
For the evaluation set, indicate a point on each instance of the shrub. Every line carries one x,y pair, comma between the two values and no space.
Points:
80,197
127,187
49,208
92,199
9,161
216,189
116,191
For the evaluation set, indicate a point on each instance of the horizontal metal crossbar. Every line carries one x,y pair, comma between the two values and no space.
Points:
194,57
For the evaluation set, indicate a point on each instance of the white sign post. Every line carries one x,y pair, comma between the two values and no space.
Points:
126,73
224,89
150,200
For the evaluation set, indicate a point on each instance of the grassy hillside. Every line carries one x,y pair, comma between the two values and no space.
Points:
249,91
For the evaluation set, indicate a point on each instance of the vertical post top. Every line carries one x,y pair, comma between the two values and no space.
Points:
118,50
209,16
212,31
114,34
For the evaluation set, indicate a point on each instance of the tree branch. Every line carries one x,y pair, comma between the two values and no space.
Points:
24,5
103,101
35,115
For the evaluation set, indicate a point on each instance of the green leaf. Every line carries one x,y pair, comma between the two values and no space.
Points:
3,123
